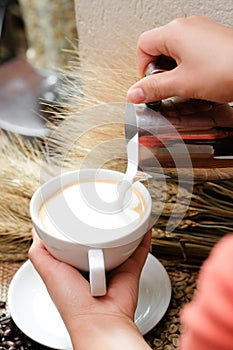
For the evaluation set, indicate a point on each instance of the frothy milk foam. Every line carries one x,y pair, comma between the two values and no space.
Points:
74,197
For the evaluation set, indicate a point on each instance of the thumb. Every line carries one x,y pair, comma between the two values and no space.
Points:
154,87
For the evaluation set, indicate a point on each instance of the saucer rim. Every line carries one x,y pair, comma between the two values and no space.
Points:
146,326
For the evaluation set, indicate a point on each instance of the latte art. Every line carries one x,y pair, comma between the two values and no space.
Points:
74,203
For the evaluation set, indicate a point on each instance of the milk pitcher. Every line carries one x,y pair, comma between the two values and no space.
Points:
182,133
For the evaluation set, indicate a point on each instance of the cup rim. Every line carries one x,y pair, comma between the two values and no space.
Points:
128,237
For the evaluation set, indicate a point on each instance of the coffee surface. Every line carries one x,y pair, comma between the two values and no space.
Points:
81,204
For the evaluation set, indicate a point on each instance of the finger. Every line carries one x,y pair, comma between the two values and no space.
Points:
155,87
124,280
50,269
163,40
150,45
139,257
37,251
137,260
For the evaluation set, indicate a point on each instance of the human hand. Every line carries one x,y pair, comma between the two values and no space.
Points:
203,51
86,316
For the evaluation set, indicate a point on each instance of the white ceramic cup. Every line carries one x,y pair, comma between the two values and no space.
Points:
86,235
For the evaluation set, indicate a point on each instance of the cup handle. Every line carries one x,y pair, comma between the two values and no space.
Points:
97,272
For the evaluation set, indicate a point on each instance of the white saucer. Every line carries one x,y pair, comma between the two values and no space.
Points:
34,313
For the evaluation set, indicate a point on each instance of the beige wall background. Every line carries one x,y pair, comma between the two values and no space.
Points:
108,25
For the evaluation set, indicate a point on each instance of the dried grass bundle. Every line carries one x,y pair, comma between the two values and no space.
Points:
21,171
208,218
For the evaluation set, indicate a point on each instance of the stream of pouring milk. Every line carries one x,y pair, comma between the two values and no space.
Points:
131,172
131,135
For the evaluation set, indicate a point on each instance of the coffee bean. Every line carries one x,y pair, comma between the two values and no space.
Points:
18,341
8,343
2,304
7,332
5,320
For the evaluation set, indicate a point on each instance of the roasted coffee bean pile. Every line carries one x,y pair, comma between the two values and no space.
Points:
11,337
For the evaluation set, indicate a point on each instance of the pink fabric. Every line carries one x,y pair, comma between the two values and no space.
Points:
208,319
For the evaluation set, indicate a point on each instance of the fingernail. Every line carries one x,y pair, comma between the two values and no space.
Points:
136,95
